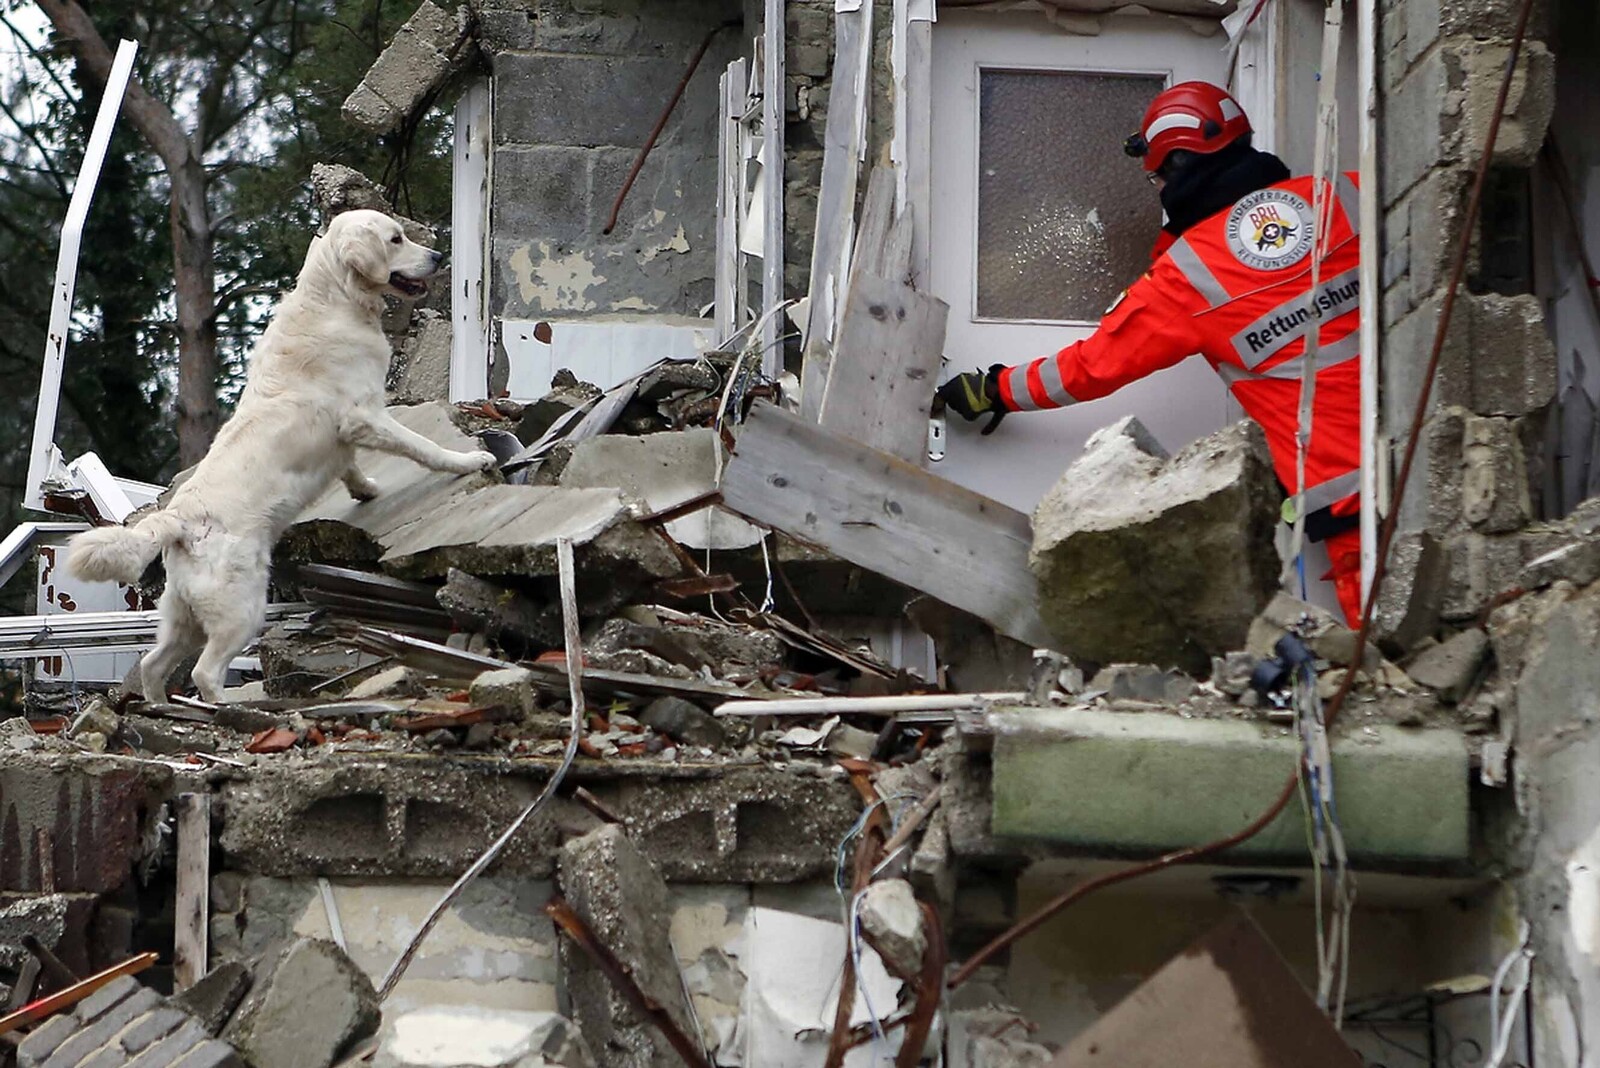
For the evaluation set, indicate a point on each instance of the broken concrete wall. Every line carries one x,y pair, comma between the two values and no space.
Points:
577,87
1480,466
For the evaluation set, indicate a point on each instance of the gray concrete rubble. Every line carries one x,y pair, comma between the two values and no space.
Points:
1451,667
307,1006
431,45
1147,558
892,921
624,902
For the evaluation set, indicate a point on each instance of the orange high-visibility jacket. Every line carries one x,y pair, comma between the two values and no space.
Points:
1237,288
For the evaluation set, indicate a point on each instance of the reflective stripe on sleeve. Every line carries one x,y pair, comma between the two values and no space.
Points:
1015,382
1197,274
1323,495
1054,387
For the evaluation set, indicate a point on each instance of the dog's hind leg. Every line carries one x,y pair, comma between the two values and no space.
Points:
177,635
223,643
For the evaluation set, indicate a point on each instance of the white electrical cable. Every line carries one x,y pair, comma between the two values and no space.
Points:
1500,1028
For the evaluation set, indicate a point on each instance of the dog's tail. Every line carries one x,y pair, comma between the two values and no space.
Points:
120,554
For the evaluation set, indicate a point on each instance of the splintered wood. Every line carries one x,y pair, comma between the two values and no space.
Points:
886,515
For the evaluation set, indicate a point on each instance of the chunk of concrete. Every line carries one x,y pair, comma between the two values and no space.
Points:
684,721
397,681
1143,682
438,1036
663,470
424,374
427,48
892,921
521,624
1134,782
627,905
308,1005
511,687
1451,667
212,1000
1146,559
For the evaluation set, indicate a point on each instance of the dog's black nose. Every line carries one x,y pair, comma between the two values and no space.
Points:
438,257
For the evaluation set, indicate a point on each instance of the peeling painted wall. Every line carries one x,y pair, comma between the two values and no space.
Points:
577,88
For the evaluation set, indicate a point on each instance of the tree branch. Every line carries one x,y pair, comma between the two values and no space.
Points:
154,120
238,293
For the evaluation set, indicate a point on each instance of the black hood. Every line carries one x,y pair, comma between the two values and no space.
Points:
1214,181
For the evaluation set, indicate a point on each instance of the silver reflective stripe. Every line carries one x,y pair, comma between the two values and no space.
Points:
1054,387
1330,355
1350,201
1331,492
1194,269
1177,121
1336,352
1278,328
1016,379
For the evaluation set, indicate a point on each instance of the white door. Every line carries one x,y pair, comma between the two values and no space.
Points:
1039,221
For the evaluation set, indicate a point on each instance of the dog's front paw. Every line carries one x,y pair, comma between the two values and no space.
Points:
480,460
362,489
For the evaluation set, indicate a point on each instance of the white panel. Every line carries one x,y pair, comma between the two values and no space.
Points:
597,351
59,594
469,340
1027,454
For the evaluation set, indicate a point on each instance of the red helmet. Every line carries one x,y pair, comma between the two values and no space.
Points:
1196,116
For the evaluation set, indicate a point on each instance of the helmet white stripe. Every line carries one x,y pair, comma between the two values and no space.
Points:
1177,121
1230,110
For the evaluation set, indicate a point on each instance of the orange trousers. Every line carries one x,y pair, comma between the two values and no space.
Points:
1344,553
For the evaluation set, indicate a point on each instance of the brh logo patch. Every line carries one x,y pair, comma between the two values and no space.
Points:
1270,229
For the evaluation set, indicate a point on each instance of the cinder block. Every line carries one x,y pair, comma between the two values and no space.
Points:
1494,476
580,100
1498,359
103,1030
1112,782
543,191
44,1039
1482,566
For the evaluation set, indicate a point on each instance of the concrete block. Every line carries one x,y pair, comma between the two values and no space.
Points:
1528,107
544,191
684,721
580,100
623,900
669,31
1451,667
523,625
505,31
422,54
1148,560
1481,567
1150,782
505,688
406,818
1413,592
426,355
307,1006
1558,689
1143,682
93,814
212,1000
336,188
1498,359
61,922
1494,480
210,1054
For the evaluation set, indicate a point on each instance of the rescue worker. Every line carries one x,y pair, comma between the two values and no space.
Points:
1231,280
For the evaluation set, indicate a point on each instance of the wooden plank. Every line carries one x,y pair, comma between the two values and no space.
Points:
836,197
877,219
917,205
887,516
772,120
190,913
881,386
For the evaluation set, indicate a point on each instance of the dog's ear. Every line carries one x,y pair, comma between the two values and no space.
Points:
360,248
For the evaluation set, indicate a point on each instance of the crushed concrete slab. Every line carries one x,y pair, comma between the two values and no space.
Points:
892,920
1451,667
1145,559
511,687
663,470
212,1000
520,624
307,1006
627,905
993,1037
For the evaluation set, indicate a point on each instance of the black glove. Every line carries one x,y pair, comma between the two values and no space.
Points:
972,395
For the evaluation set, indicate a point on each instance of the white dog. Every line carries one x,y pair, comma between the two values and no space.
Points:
315,392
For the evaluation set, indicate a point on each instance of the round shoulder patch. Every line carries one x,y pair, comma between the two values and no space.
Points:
1270,229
